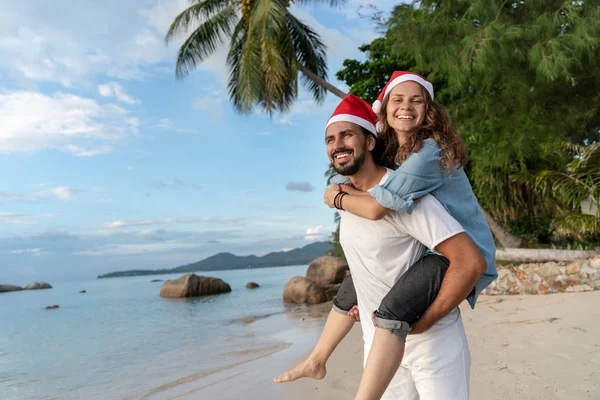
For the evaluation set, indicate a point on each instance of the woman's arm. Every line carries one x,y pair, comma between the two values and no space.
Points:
356,202
419,174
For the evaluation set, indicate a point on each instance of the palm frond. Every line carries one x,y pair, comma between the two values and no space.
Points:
198,12
277,55
310,52
580,226
243,61
205,40
332,3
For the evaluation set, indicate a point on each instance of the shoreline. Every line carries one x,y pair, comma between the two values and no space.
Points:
531,347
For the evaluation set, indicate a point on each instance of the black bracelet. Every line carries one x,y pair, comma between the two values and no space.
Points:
340,200
336,199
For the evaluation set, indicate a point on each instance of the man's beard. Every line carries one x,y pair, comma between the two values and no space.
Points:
351,167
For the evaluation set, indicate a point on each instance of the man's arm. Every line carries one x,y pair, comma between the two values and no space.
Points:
467,265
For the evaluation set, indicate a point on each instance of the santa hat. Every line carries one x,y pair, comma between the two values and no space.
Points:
397,78
354,109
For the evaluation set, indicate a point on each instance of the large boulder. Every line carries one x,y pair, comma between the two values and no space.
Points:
303,291
38,285
252,285
192,285
9,288
327,270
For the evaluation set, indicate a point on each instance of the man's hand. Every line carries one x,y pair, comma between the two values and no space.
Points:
329,195
419,327
354,314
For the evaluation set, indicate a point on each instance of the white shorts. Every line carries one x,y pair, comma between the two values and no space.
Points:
435,367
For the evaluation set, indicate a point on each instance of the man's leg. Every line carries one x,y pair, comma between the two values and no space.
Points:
440,364
336,328
406,301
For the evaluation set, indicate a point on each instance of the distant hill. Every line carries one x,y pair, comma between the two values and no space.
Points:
227,261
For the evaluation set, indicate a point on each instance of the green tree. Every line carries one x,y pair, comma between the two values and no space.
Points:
519,78
268,46
577,182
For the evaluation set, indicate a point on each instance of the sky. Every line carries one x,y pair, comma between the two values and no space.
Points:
109,163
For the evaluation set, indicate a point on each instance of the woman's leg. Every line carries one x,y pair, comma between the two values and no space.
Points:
337,326
406,301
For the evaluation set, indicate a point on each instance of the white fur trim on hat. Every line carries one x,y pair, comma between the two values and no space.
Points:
355,120
409,77
376,106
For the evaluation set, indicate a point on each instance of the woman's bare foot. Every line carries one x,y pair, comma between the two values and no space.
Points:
306,369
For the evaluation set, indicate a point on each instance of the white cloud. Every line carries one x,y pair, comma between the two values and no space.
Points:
11,218
38,185
165,124
314,233
131,249
34,251
33,121
113,89
83,152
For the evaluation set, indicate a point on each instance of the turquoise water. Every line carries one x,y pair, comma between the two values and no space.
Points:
120,340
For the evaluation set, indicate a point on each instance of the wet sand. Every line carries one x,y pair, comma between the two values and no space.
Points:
523,347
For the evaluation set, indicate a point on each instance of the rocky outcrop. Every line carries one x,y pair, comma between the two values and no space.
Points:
252,285
323,278
546,278
9,288
37,286
52,307
302,291
192,285
327,270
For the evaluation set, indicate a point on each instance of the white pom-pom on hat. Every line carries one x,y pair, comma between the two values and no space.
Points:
376,106
379,127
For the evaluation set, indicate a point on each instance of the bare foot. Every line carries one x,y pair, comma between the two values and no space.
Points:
306,369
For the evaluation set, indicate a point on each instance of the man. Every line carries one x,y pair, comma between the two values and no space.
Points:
436,362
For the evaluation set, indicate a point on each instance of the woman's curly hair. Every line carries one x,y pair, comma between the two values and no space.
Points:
436,125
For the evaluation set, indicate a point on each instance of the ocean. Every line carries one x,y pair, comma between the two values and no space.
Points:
120,340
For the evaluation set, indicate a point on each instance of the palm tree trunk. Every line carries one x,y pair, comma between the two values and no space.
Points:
502,235
321,82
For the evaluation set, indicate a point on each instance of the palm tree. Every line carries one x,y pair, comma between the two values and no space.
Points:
568,188
268,46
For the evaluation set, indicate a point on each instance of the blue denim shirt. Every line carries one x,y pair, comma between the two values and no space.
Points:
421,173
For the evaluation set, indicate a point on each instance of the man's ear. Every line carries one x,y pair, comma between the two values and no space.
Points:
371,142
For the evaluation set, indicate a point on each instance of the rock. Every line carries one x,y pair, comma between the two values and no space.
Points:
156,280
579,288
574,267
596,285
252,285
82,291
52,307
327,270
9,288
303,291
38,285
192,285
548,270
595,262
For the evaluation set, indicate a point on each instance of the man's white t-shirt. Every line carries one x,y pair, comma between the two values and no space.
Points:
380,252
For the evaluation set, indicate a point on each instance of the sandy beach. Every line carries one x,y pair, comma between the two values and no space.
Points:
523,347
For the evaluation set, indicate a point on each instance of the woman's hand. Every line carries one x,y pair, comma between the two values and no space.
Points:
330,193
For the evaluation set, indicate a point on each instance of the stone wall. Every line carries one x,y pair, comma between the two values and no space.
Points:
546,278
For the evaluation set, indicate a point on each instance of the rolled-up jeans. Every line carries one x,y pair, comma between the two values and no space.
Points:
410,296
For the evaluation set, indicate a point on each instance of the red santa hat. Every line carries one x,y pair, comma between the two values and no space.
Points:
354,109
397,78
